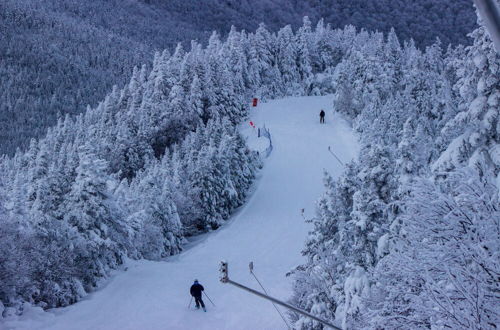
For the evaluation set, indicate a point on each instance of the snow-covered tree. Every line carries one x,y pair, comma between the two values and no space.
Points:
442,269
474,129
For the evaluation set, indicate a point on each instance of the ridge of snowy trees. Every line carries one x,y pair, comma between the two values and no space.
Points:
60,55
161,159
408,237
156,161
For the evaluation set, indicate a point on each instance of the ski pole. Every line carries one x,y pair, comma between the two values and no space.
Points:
190,301
209,298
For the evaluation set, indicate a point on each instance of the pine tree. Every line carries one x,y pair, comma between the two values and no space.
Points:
475,127
262,61
304,43
88,211
286,60
154,217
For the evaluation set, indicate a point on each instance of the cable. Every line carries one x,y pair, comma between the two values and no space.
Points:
276,307
334,155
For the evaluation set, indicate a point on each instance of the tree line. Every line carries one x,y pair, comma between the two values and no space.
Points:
407,237
58,56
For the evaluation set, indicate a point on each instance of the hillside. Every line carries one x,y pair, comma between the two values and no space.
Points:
268,230
60,55
405,237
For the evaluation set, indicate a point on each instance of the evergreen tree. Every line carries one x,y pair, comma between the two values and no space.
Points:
88,211
475,127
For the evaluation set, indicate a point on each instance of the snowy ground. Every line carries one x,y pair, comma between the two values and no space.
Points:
268,230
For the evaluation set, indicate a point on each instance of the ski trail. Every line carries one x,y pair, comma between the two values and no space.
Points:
268,230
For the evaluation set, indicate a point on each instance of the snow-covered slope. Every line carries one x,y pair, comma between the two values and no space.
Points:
269,230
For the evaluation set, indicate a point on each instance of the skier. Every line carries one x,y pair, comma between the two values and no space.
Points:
322,117
196,290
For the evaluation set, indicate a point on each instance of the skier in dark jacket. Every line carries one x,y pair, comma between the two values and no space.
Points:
196,290
322,117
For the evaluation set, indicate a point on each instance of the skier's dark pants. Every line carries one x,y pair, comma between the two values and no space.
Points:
198,301
322,119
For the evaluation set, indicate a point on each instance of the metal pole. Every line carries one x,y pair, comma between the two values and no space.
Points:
209,298
190,301
490,13
295,309
224,278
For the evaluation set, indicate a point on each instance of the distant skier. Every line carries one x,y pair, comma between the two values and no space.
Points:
322,117
196,291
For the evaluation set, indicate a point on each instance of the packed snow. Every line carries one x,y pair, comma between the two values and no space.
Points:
268,230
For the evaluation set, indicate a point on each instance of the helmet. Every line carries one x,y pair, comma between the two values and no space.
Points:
195,280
